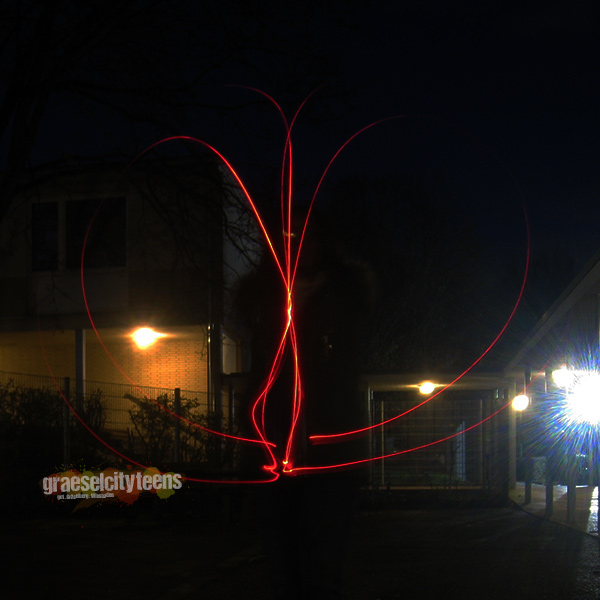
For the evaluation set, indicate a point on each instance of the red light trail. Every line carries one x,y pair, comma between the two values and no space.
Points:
280,460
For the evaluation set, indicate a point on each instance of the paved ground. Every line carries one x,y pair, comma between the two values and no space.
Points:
583,514
494,553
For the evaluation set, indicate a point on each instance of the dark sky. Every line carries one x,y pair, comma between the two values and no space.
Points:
502,96
524,83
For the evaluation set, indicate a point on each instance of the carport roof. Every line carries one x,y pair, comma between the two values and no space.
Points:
391,382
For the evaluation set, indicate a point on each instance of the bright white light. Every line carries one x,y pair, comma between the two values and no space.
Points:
563,377
427,387
520,402
144,336
583,399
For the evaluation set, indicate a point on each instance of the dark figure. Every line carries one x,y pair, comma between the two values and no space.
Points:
306,517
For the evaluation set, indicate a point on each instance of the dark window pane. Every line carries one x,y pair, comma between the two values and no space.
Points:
103,222
44,236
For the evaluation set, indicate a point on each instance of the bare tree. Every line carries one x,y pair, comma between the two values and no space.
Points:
434,291
137,70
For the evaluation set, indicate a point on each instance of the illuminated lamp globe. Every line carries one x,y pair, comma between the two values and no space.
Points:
563,377
520,402
427,387
144,337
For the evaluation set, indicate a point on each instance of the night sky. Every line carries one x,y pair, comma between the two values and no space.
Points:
505,97
501,97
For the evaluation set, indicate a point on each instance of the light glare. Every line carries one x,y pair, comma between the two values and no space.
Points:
563,377
583,399
427,387
144,336
520,402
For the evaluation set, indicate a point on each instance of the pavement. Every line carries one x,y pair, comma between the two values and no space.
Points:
582,515
214,552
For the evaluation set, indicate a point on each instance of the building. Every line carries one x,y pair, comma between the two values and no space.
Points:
92,253
557,368
443,437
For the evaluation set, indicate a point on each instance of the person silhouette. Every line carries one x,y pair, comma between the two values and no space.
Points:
306,518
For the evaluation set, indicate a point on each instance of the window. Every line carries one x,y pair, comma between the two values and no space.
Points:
61,232
44,227
99,226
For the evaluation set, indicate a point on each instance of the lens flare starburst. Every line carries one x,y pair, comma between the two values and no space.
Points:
583,398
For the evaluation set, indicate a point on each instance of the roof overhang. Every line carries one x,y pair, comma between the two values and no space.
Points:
395,382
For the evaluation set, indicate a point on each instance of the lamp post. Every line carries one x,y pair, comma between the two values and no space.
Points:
579,413
520,404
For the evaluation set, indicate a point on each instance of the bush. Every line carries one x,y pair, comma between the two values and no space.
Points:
35,424
153,434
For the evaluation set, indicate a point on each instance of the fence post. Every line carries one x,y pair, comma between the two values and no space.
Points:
382,442
369,399
549,486
65,422
505,473
231,417
571,488
80,370
528,478
176,442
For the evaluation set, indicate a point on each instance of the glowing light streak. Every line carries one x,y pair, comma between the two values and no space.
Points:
73,411
297,400
72,408
332,437
287,266
236,176
118,366
286,274
358,463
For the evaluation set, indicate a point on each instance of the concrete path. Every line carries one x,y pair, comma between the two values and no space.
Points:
583,515
473,553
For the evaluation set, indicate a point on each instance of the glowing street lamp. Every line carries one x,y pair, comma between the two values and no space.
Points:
583,398
581,393
427,387
145,337
579,416
563,377
520,402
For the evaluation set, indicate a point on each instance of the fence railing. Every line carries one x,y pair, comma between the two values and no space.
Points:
152,425
442,444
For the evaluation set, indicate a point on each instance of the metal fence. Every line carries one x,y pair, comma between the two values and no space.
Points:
443,443
149,424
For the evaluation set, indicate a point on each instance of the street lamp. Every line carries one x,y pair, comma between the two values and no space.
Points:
427,387
145,337
581,394
563,377
583,398
520,402
580,414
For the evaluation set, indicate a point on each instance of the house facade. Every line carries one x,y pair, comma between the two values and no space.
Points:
92,253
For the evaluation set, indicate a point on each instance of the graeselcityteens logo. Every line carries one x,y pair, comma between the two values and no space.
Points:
90,487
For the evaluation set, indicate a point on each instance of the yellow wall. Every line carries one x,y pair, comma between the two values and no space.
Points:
178,360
